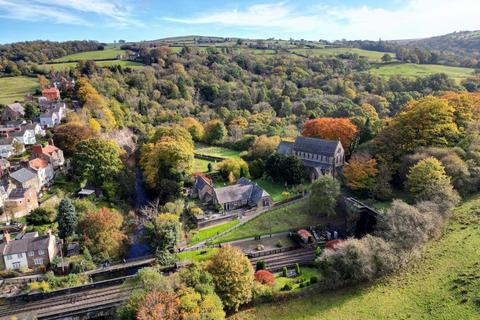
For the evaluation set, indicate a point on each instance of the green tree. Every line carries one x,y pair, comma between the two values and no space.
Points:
97,160
164,233
324,193
215,132
31,111
387,57
427,181
235,167
232,275
67,218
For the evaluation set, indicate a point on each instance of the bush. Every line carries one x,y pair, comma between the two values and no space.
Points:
260,247
313,279
279,244
42,286
287,287
285,272
265,277
297,269
41,216
9,274
318,251
261,265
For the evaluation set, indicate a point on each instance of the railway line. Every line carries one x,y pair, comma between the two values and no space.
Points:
98,298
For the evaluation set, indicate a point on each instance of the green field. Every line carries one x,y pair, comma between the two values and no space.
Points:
201,235
444,284
216,151
370,55
196,255
422,70
67,65
15,88
92,55
293,216
200,165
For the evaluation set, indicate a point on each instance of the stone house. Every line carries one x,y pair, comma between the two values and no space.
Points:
25,136
25,178
320,156
51,153
13,111
52,117
10,146
31,251
19,203
243,194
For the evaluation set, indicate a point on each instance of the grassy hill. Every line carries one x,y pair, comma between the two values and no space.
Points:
418,70
67,65
15,88
92,55
443,284
370,55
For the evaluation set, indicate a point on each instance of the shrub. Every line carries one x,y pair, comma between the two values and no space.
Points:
260,247
313,279
318,251
261,265
265,277
297,268
285,272
41,286
287,287
279,244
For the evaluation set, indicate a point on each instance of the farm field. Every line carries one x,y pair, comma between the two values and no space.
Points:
371,55
421,70
216,151
443,284
123,63
15,88
293,216
92,55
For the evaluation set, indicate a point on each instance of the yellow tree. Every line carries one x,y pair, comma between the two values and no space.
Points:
360,172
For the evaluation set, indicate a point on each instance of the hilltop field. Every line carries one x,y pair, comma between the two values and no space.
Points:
443,284
15,88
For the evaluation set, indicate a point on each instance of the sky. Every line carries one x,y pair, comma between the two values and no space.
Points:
136,20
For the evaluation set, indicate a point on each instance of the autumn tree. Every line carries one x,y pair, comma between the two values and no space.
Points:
233,168
263,147
215,131
427,181
194,127
360,172
265,277
67,136
159,305
164,233
232,275
331,129
100,231
97,161
324,194
167,160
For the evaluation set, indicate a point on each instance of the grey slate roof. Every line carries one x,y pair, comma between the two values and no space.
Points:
17,107
17,246
315,145
244,189
23,175
6,141
285,147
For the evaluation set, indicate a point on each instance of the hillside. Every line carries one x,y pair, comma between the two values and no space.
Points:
468,41
443,284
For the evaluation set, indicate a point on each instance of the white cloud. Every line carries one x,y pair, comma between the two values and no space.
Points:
115,13
413,18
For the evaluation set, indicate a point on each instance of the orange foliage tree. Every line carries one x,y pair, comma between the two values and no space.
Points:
331,129
265,277
100,231
360,172
159,305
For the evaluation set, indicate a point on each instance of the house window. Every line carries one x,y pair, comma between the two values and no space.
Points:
19,255
9,257
31,253
38,261
41,252
16,265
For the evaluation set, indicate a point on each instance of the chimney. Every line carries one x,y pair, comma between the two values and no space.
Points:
6,237
50,142
49,233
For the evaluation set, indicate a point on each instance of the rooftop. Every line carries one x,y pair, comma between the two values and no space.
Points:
23,175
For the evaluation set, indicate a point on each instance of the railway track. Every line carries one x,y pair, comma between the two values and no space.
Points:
277,261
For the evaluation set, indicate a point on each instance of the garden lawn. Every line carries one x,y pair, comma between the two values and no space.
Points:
196,255
200,165
216,151
290,217
202,235
422,70
441,285
15,88
307,273
92,55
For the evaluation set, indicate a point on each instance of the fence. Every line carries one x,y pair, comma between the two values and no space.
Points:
209,158
270,252
210,222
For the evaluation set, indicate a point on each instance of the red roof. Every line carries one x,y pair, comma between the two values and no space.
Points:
38,163
304,233
50,90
